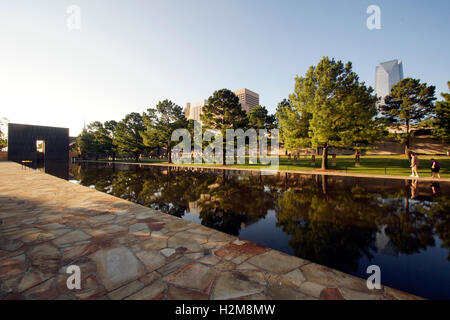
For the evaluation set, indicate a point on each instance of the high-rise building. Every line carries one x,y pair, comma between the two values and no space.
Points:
247,98
193,110
387,74
187,110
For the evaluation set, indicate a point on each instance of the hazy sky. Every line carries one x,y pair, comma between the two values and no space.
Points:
128,55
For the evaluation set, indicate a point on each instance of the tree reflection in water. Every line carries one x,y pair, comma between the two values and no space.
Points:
332,229
333,221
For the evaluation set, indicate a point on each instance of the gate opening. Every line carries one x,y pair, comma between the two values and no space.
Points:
40,151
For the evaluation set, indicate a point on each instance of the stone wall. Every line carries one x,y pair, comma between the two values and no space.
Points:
421,145
22,142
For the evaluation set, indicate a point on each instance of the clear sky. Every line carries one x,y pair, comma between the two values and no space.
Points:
128,55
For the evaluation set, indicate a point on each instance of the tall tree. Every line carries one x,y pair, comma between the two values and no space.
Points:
259,118
409,103
442,121
110,127
87,144
160,122
102,142
223,111
341,109
128,135
293,127
98,139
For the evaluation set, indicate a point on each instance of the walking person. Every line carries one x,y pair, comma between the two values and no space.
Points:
413,189
435,188
414,165
435,167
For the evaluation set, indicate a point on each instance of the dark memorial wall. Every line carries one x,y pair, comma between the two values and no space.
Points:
22,146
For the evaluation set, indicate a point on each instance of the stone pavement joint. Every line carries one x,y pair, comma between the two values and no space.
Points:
127,251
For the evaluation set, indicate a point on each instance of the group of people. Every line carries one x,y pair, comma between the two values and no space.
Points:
435,167
435,188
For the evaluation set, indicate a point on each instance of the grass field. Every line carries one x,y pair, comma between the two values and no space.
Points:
389,165
384,165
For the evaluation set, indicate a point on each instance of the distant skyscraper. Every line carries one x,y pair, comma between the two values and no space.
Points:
187,110
247,98
193,110
387,74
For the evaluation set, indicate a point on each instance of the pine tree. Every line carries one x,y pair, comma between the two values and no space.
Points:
338,109
293,127
160,122
442,121
223,111
409,103
128,135
259,118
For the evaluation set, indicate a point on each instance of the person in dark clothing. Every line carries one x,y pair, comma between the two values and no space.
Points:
435,188
435,168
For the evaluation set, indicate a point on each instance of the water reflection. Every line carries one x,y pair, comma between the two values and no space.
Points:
338,222
58,169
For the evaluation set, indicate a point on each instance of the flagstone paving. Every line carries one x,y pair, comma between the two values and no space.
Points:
127,251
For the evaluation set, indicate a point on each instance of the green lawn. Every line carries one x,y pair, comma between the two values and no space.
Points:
389,165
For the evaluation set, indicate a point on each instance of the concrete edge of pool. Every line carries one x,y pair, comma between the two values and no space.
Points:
128,251
311,172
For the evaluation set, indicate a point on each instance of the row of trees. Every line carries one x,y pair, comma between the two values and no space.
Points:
330,107
152,130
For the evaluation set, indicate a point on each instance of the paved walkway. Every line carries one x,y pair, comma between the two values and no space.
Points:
127,251
307,172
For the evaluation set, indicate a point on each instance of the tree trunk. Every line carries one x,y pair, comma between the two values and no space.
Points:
407,142
325,157
224,156
357,156
317,151
325,185
136,156
114,156
169,153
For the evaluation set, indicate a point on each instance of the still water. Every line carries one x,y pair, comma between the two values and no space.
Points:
342,222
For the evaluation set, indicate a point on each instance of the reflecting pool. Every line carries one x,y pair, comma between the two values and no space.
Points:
344,223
